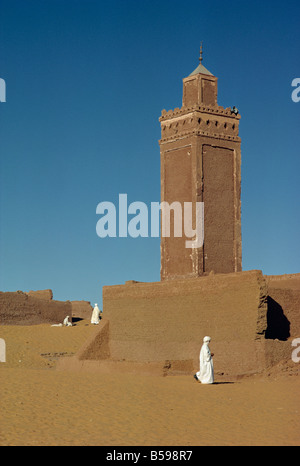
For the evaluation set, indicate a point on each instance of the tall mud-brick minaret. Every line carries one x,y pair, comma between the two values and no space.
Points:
201,162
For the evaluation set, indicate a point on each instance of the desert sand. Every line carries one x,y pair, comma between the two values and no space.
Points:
42,406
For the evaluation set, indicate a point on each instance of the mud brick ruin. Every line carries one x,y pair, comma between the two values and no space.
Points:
158,327
39,307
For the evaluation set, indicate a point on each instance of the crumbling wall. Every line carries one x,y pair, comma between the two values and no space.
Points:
97,346
284,306
82,309
157,328
41,294
19,308
166,321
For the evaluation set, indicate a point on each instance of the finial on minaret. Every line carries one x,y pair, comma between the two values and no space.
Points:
201,58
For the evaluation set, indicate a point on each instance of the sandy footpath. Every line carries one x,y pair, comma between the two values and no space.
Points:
41,406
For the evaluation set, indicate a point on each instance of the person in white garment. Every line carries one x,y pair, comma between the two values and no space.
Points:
95,315
206,372
66,322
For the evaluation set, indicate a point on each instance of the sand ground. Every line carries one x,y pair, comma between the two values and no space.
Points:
42,406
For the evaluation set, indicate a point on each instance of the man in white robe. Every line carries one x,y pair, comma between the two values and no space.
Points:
95,315
206,372
66,322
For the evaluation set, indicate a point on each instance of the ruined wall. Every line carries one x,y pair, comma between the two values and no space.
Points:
97,345
82,309
284,304
157,328
166,321
18,308
41,294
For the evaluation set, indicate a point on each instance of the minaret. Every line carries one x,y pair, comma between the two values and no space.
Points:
201,162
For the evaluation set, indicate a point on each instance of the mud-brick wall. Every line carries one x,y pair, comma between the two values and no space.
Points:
82,309
41,294
284,302
18,308
167,320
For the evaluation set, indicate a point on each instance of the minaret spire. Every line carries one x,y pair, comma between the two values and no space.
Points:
201,58
200,68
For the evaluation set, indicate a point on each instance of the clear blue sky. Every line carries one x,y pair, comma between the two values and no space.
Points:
86,83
